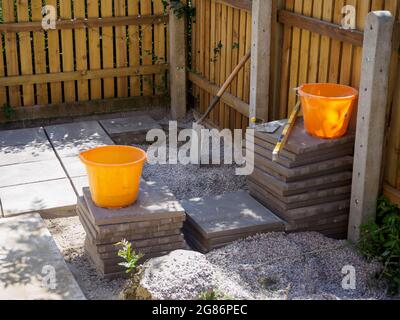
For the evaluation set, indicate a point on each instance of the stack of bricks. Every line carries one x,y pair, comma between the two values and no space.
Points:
310,185
153,225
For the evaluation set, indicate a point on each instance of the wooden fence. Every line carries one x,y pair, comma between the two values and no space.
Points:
307,46
100,49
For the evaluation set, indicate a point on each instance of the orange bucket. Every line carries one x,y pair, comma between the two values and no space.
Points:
327,108
114,174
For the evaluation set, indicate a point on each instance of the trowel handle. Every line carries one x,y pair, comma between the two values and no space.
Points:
286,132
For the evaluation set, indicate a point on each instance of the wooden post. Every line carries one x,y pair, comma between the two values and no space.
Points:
371,119
260,59
177,62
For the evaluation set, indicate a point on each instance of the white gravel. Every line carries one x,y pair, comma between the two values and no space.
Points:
273,266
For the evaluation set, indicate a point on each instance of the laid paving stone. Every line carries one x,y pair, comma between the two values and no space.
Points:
300,142
28,252
74,166
30,172
22,154
55,197
80,183
131,130
232,213
153,203
72,138
26,137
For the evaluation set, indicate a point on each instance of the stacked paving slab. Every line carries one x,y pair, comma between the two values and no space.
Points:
216,221
310,185
153,225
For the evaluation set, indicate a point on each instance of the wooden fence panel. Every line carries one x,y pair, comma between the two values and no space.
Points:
100,49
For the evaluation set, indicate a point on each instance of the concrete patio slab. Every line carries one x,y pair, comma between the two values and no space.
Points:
72,138
29,258
74,167
232,213
53,198
80,183
26,153
129,130
26,137
24,173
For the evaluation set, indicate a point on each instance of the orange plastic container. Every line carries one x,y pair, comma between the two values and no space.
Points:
114,174
327,108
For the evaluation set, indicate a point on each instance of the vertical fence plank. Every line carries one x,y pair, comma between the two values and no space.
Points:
235,116
347,55
216,57
81,52
134,50
323,67
315,44
11,52
107,40
121,49
147,47
39,52
54,59
224,18
207,16
213,43
305,46
159,47
336,45
228,61
67,51
24,39
3,90
94,49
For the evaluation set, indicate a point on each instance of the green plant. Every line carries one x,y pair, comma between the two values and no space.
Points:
380,239
8,111
129,255
180,8
213,294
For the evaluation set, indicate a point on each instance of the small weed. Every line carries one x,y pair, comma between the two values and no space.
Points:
8,111
130,256
213,294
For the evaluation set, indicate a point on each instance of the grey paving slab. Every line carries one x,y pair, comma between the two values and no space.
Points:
346,150
131,235
300,142
129,130
154,202
72,138
304,172
55,196
229,214
302,200
28,252
23,173
80,183
129,228
281,188
25,153
27,137
74,166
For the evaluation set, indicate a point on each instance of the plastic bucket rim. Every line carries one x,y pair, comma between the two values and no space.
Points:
353,97
92,163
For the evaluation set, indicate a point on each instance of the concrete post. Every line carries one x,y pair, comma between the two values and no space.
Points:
377,51
260,59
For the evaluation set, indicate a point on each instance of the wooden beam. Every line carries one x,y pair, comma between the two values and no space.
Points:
260,59
227,98
40,114
177,60
371,117
239,4
392,194
82,75
86,23
321,27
